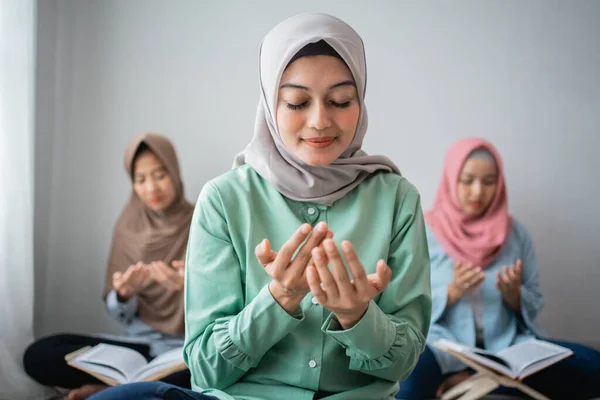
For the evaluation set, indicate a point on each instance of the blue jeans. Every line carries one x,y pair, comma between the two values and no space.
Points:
576,377
149,391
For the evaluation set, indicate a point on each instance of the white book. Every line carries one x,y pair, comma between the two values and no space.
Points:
116,365
517,361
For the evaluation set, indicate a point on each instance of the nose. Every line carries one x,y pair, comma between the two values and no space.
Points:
319,118
151,186
476,189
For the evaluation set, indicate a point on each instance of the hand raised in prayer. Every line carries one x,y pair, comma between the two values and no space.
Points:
348,298
266,255
134,280
508,282
466,278
171,277
289,285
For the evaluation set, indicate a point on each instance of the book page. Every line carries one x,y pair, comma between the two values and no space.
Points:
493,358
532,352
165,361
110,376
111,361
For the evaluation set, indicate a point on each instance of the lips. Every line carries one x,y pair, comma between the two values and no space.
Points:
155,200
320,142
475,204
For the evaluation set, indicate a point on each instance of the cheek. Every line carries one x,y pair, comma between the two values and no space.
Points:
491,192
289,122
462,191
347,119
138,190
168,188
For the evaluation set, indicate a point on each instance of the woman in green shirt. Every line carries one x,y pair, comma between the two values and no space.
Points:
272,311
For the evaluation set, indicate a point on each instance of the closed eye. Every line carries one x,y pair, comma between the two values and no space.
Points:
345,104
296,106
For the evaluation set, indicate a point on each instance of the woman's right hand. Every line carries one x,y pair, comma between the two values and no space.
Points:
289,285
134,280
466,278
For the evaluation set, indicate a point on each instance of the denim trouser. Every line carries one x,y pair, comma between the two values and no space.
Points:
149,391
576,377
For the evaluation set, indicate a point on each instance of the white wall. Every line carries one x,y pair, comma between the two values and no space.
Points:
523,74
45,90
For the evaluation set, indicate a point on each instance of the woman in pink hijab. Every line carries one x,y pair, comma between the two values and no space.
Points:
484,282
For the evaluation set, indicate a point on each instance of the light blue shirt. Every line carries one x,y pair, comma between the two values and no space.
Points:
501,327
136,331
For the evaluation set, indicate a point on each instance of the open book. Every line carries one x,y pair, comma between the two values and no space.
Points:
115,365
517,361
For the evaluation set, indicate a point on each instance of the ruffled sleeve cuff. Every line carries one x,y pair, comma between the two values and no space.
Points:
244,339
375,342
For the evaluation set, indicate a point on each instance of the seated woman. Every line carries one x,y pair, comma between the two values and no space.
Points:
484,281
144,278
265,316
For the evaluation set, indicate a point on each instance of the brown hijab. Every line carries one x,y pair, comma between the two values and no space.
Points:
143,235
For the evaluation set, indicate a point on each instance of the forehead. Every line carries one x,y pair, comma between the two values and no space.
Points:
316,70
479,166
146,161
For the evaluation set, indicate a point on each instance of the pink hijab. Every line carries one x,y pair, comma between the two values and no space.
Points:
464,238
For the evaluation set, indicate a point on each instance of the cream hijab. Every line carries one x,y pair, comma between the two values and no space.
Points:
266,153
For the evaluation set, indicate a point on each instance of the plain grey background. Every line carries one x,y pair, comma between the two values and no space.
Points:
521,73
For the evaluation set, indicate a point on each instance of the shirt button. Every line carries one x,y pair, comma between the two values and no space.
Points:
314,300
312,363
311,211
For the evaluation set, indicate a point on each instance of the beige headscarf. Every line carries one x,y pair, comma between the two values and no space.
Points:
143,235
266,152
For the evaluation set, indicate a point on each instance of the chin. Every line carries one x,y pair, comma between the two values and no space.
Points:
156,207
475,213
318,160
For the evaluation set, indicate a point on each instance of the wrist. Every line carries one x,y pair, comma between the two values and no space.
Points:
454,293
350,319
288,301
514,302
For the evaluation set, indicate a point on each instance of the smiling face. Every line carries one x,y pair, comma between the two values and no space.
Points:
477,185
317,109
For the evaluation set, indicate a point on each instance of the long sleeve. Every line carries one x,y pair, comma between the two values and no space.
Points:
400,318
224,337
123,312
532,299
441,277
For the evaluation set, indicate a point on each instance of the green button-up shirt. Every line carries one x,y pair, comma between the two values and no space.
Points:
241,344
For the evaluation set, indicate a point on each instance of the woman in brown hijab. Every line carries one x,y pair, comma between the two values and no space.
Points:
144,277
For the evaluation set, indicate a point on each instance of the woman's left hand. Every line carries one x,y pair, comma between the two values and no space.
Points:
170,277
508,283
347,298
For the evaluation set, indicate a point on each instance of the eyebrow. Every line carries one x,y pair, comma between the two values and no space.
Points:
159,169
339,84
469,175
